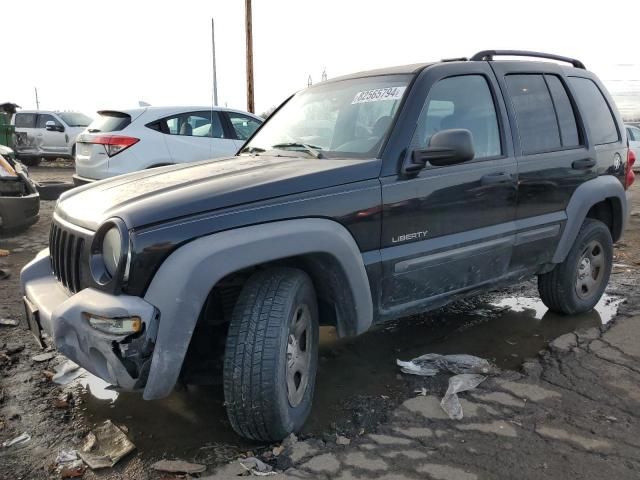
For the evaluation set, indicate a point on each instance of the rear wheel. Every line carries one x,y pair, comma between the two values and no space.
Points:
577,284
271,355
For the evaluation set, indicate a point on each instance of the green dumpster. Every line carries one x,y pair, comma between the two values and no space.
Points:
7,110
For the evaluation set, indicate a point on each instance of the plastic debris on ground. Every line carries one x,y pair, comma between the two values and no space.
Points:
178,466
43,357
256,467
17,441
459,383
67,373
105,446
432,363
470,371
9,322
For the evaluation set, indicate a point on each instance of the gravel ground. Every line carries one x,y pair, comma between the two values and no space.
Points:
569,413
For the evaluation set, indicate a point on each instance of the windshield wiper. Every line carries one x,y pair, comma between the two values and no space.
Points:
312,149
252,150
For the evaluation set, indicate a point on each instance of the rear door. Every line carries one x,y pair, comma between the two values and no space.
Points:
51,141
448,229
552,153
194,136
26,139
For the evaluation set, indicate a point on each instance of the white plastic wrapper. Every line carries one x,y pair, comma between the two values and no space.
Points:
459,383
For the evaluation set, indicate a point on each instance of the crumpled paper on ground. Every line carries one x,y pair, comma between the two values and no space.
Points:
256,467
109,447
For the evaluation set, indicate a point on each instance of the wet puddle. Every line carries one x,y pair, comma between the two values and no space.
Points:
192,421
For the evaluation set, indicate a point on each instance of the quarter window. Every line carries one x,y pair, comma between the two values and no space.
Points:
596,111
25,120
461,102
243,125
535,115
564,110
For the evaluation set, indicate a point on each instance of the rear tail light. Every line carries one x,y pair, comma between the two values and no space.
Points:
113,144
630,176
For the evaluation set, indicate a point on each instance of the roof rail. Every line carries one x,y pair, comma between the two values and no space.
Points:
489,54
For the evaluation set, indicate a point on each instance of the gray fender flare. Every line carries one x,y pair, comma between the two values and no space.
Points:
585,197
184,280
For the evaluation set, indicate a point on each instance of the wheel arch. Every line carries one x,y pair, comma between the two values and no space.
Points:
602,198
323,248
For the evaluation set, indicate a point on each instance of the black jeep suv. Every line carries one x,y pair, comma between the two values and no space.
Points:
362,199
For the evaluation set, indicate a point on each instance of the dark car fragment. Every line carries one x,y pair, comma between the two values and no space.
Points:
19,198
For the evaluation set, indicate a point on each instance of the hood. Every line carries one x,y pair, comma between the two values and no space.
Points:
165,193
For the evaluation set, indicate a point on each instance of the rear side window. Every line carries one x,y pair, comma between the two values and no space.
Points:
25,120
110,122
535,115
595,110
461,102
564,110
243,125
634,134
192,124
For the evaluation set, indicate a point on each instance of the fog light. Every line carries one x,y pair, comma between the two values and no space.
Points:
114,326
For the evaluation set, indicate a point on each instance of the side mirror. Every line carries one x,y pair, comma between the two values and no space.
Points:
446,147
52,127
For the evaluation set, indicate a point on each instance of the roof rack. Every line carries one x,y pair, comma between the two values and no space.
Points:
489,54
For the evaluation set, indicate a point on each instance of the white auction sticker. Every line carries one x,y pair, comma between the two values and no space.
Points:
379,95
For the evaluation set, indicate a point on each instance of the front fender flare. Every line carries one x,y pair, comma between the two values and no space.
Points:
184,280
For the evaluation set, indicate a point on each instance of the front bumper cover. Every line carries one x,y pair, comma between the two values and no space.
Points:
122,360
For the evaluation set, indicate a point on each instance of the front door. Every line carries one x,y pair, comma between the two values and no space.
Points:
450,229
51,141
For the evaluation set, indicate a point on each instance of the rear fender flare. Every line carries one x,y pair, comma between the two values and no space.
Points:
185,278
585,197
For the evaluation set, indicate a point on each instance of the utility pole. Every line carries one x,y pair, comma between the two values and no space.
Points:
215,78
247,11
309,81
37,101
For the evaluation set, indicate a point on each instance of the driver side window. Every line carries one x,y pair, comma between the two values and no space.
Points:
461,102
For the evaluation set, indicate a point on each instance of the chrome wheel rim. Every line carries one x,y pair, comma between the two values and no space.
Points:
298,355
590,270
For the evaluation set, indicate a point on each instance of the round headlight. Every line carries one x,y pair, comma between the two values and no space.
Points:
112,250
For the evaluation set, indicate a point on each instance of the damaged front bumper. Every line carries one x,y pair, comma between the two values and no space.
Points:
121,360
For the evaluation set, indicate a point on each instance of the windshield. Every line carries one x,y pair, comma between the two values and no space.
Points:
74,119
349,118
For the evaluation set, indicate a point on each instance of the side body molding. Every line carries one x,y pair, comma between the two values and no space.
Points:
584,197
185,278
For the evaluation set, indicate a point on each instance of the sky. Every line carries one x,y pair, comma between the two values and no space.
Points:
91,55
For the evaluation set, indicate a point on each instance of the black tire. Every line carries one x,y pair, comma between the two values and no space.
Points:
30,161
258,347
560,290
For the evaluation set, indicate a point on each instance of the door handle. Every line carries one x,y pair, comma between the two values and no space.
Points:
494,178
583,164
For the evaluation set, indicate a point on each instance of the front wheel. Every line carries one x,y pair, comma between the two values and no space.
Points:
271,355
576,285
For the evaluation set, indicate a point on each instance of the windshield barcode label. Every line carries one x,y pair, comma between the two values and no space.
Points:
379,95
